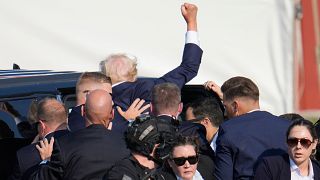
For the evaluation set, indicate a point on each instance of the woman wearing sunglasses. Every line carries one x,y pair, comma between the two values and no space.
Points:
298,163
185,162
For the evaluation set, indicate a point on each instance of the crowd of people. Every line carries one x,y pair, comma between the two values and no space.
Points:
126,128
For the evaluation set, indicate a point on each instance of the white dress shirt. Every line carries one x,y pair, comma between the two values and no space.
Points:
295,172
197,176
213,143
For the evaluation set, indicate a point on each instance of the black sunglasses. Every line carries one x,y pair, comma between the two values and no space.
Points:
179,161
292,142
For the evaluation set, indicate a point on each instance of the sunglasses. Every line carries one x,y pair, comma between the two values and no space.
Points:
292,142
179,161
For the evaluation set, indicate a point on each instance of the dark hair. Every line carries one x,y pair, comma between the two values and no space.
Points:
305,123
207,108
317,127
291,116
186,140
165,96
240,87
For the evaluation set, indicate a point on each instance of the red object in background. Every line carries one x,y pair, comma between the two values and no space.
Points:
308,88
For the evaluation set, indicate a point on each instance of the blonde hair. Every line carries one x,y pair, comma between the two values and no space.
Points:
120,67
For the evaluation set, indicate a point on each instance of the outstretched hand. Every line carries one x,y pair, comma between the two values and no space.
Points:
45,148
134,110
189,13
212,86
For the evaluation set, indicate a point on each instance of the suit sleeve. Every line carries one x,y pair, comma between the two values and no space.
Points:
263,171
224,156
52,170
188,68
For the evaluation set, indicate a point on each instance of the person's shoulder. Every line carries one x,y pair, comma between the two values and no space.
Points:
275,158
316,168
66,137
276,162
316,164
27,151
254,117
145,83
123,169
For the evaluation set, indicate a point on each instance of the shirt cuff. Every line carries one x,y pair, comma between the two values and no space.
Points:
192,37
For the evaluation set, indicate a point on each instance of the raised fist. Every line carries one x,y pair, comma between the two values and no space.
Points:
189,13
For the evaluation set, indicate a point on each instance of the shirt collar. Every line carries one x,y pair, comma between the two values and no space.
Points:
116,84
294,167
196,176
253,110
214,140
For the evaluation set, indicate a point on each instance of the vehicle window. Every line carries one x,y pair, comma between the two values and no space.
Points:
19,107
69,101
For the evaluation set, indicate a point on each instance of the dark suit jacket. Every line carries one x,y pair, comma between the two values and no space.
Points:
8,149
125,93
75,120
85,154
278,168
205,168
28,156
245,139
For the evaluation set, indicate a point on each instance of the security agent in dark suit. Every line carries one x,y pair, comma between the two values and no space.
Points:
166,104
87,82
150,140
123,72
206,111
87,153
52,122
249,134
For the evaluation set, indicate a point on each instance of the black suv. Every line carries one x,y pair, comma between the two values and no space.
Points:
19,88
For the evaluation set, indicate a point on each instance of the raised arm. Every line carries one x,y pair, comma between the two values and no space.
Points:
192,53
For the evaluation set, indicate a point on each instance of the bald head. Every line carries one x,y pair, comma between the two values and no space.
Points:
98,107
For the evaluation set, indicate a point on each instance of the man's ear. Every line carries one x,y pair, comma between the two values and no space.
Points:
180,108
205,121
83,110
112,114
151,108
235,107
41,129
